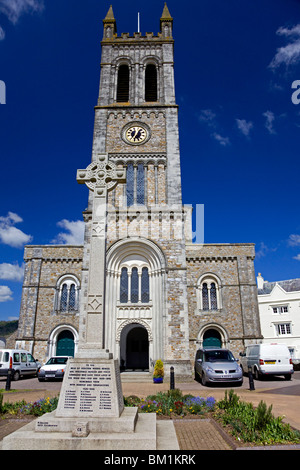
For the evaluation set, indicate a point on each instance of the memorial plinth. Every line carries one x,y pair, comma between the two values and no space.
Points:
91,389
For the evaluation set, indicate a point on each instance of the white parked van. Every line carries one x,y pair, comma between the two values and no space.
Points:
20,361
267,359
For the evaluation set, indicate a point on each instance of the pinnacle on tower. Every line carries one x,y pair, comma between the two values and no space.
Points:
109,22
110,15
166,22
166,14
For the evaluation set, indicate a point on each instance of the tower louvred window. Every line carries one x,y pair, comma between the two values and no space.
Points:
151,83
123,84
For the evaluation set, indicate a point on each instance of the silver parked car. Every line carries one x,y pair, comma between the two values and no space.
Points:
217,365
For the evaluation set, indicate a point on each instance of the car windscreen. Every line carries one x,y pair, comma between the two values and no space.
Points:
218,356
57,360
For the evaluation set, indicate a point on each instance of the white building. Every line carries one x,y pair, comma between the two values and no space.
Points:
279,311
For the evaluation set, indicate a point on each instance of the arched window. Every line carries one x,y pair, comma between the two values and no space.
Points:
130,184
145,286
151,83
140,185
135,184
205,302
124,286
72,297
134,285
123,84
134,297
213,297
67,294
209,293
64,298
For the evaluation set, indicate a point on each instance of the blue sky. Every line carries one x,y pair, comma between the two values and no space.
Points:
235,63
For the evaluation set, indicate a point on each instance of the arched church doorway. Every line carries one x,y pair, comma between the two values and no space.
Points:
134,348
212,338
65,344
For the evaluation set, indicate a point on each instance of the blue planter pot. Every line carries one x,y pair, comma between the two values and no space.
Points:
158,380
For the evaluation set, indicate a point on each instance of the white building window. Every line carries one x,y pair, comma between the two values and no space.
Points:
283,329
278,310
67,294
209,293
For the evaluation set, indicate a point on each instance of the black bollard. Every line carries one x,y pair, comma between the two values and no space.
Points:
251,381
172,378
8,379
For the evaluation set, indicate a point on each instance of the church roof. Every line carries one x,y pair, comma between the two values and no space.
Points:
290,285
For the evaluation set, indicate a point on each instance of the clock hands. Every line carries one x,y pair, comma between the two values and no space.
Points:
136,134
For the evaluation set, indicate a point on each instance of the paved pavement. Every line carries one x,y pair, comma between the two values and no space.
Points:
192,434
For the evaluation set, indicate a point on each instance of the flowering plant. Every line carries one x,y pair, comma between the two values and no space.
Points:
158,369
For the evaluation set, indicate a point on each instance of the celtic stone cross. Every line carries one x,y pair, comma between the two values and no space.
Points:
100,177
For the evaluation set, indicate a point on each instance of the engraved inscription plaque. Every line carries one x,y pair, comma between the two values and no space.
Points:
90,389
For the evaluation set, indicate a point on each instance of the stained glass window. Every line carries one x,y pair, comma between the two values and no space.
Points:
124,286
134,286
140,184
130,184
145,286
205,303
64,298
72,298
213,297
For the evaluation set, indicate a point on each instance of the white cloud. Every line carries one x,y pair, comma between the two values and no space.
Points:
244,126
2,34
13,9
262,251
208,117
9,234
224,141
297,257
270,118
294,240
11,272
5,294
289,54
74,235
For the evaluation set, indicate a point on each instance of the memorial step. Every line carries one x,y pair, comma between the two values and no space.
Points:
135,376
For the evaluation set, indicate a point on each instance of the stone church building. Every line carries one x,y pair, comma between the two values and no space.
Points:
165,296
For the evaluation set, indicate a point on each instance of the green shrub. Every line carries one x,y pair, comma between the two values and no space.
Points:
257,425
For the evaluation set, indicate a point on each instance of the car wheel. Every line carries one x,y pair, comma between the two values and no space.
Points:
203,379
257,375
16,375
288,376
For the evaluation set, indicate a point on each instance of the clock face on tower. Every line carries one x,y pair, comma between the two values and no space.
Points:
136,133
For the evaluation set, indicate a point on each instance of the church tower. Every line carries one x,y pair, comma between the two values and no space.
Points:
136,125
164,296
